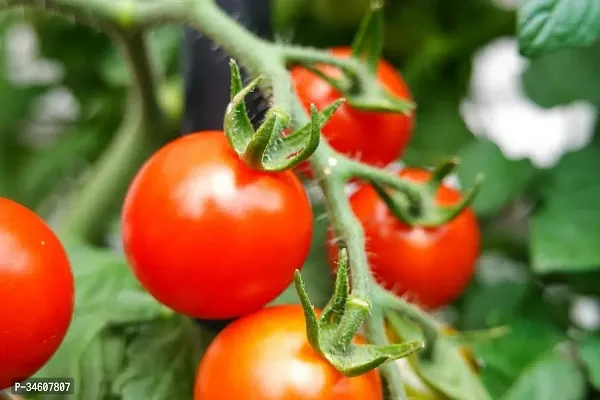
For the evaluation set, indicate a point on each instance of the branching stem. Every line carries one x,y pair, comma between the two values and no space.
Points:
143,130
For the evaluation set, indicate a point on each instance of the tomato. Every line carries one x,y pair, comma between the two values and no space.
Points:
37,291
266,356
210,237
430,266
375,138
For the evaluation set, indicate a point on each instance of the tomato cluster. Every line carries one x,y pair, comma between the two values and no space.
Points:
212,238
429,266
37,289
375,138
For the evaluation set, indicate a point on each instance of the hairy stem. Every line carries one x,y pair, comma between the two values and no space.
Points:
141,133
376,332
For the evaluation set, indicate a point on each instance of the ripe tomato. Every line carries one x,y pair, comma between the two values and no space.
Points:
266,356
37,291
210,237
430,266
375,138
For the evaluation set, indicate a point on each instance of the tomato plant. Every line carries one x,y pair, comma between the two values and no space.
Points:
375,138
431,266
214,226
210,237
37,289
266,355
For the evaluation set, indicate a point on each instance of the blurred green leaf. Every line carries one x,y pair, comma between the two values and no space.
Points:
547,25
551,377
504,179
73,356
162,361
589,353
107,294
107,288
564,230
543,79
449,371
164,49
339,12
492,306
316,273
16,102
65,157
439,132
511,362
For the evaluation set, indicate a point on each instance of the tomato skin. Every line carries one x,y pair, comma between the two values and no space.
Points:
37,292
210,237
430,266
375,138
266,356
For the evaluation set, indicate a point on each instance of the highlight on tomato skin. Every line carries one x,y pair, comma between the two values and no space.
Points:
429,266
210,237
266,355
37,291
375,138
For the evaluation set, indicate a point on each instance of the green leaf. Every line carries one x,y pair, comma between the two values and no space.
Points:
439,131
504,179
162,361
368,42
551,377
507,359
564,230
589,353
581,65
70,359
44,169
106,295
107,288
449,371
486,307
164,50
548,25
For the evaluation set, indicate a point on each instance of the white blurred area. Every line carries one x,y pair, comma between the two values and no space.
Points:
25,67
497,108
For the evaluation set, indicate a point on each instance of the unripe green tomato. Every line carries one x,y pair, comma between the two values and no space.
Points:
171,99
341,13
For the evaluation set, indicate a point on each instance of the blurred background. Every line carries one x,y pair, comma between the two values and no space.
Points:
529,125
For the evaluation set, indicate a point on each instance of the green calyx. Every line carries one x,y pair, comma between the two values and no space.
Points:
423,210
359,83
332,334
267,148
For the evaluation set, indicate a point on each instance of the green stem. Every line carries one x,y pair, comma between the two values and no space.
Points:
109,14
426,322
140,133
375,327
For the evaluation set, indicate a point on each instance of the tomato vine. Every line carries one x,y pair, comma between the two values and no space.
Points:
367,302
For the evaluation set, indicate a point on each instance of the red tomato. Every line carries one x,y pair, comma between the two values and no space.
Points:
266,356
37,292
375,138
210,237
431,266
